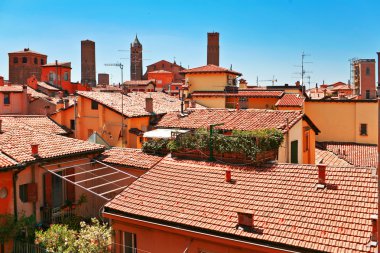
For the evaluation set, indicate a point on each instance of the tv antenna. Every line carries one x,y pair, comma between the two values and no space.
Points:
303,71
273,80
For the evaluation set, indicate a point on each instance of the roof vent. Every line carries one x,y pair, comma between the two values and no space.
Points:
321,176
149,105
373,242
245,220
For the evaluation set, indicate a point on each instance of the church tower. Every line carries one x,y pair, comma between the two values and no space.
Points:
136,60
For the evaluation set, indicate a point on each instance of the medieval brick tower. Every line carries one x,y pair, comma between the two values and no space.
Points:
88,62
213,48
24,64
136,60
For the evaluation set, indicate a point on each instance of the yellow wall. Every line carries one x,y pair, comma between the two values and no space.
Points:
206,81
340,121
211,102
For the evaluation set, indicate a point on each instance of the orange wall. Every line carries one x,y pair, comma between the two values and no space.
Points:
6,204
160,239
18,103
254,103
162,79
59,72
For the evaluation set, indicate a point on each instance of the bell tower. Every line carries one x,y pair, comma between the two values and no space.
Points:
136,60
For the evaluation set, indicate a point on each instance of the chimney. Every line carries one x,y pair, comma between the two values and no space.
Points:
149,105
34,149
187,104
65,103
245,219
1,81
228,176
298,83
378,68
374,218
321,175
1,126
193,104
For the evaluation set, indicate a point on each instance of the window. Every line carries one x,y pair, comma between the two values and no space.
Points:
128,243
72,124
23,192
51,77
15,60
42,62
7,98
35,61
66,76
363,129
94,105
367,71
367,94
24,60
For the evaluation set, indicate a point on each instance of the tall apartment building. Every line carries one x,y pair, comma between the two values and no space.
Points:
364,74
23,64
213,48
136,60
88,63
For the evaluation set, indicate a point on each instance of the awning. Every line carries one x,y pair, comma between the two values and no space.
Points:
93,176
164,133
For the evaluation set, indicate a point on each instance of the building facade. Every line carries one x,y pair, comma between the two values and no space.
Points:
88,63
172,67
24,64
364,78
103,79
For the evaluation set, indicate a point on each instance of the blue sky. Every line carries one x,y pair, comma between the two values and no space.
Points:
259,38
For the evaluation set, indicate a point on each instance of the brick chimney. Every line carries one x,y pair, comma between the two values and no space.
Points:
34,149
1,81
378,68
321,175
228,176
149,105
374,218
245,219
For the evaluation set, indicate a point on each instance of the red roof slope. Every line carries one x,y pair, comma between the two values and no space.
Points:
17,145
130,157
6,161
210,68
245,93
330,159
39,123
291,100
364,155
248,120
288,208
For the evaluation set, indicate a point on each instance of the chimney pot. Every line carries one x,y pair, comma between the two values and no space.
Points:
192,104
321,174
149,105
34,149
228,176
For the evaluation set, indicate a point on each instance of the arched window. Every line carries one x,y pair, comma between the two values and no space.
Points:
15,60
24,60
35,60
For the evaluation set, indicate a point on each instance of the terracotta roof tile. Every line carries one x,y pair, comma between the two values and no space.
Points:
26,50
134,103
47,86
210,68
39,123
17,145
139,82
6,161
130,157
240,93
287,206
35,94
330,159
364,155
250,119
11,88
291,100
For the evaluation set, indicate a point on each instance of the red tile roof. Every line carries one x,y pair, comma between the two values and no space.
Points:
61,64
35,94
6,161
330,159
291,100
134,103
26,50
245,93
160,71
39,123
139,82
288,208
250,119
11,88
17,145
210,68
364,155
130,157
47,86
